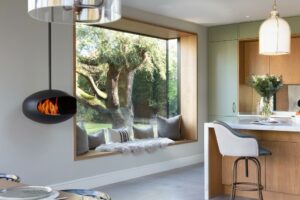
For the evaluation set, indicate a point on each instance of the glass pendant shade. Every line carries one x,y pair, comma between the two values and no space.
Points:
70,11
274,36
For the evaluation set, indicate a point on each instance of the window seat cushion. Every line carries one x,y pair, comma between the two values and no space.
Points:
136,146
169,128
82,145
96,139
143,132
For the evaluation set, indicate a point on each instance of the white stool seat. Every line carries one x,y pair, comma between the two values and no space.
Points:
233,143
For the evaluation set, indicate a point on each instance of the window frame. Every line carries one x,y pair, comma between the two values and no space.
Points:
188,110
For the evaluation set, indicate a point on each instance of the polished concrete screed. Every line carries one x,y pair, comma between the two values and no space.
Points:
180,184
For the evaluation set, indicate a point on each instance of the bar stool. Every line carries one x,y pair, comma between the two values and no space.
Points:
245,147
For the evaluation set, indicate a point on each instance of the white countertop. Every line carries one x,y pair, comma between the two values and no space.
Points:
246,123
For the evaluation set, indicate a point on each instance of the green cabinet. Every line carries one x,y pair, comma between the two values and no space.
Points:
294,23
249,30
223,79
222,33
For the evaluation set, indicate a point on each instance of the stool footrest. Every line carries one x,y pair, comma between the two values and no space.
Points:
247,186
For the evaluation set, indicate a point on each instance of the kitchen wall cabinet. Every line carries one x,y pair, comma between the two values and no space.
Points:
288,65
294,23
223,78
250,63
222,33
249,30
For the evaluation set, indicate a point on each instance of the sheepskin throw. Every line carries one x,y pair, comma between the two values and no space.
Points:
136,146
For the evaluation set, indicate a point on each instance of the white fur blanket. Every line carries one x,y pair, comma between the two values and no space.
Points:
136,146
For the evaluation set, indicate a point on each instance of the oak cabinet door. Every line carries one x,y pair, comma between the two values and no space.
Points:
288,65
282,167
223,78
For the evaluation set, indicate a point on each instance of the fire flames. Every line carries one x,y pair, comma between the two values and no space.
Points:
47,107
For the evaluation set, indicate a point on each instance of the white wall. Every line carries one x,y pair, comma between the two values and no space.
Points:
43,154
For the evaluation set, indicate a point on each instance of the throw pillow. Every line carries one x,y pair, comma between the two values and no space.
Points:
119,135
143,133
169,128
82,145
96,139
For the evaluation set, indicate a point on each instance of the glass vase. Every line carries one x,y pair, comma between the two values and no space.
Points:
266,107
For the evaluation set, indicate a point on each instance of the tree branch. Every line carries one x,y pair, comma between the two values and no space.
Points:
124,49
86,74
89,99
144,57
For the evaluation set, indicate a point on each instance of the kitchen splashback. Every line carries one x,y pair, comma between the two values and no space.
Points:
293,97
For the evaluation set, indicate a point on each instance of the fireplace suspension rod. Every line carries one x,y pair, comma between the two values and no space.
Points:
50,54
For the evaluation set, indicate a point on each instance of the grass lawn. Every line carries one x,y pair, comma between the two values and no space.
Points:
93,127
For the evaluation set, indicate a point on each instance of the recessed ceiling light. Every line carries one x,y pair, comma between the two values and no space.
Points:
247,16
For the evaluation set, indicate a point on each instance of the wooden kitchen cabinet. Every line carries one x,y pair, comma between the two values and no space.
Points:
283,172
250,63
288,65
254,63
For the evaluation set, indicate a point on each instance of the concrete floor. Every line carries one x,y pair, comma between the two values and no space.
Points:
180,184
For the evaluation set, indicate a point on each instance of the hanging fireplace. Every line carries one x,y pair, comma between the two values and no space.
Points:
49,106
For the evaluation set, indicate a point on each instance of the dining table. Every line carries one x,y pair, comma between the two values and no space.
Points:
4,184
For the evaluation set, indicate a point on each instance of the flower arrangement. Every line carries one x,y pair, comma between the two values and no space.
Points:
266,86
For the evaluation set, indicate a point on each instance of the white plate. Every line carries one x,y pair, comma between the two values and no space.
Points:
27,193
52,196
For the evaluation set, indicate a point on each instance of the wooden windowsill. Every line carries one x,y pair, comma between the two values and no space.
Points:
94,154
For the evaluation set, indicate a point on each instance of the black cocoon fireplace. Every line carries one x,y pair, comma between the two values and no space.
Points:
49,106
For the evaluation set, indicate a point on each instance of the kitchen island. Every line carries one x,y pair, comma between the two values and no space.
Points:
280,171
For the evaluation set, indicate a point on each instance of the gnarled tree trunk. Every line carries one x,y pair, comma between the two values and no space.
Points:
113,102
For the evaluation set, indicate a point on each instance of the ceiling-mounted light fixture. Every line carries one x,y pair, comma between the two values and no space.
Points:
70,11
274,35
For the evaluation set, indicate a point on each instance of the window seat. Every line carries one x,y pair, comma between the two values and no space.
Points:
95,154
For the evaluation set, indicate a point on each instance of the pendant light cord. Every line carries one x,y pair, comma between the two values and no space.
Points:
50,54
275,5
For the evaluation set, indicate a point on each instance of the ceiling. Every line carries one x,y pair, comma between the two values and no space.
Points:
215,12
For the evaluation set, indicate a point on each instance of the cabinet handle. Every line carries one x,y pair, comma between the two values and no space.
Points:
233,107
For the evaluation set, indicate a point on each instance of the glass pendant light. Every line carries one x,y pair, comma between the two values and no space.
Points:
274,35
70,11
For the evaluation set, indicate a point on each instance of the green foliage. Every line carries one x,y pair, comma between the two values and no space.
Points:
267,85
173,79
92,127
100,50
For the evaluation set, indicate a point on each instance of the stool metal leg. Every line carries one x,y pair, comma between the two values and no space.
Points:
235,184
234,178
259,185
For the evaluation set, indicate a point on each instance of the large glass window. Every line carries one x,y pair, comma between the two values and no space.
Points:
123,78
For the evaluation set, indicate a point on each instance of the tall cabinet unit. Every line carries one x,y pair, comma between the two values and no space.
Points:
223,72
233,58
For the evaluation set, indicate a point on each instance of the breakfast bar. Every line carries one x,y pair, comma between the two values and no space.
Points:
280,171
